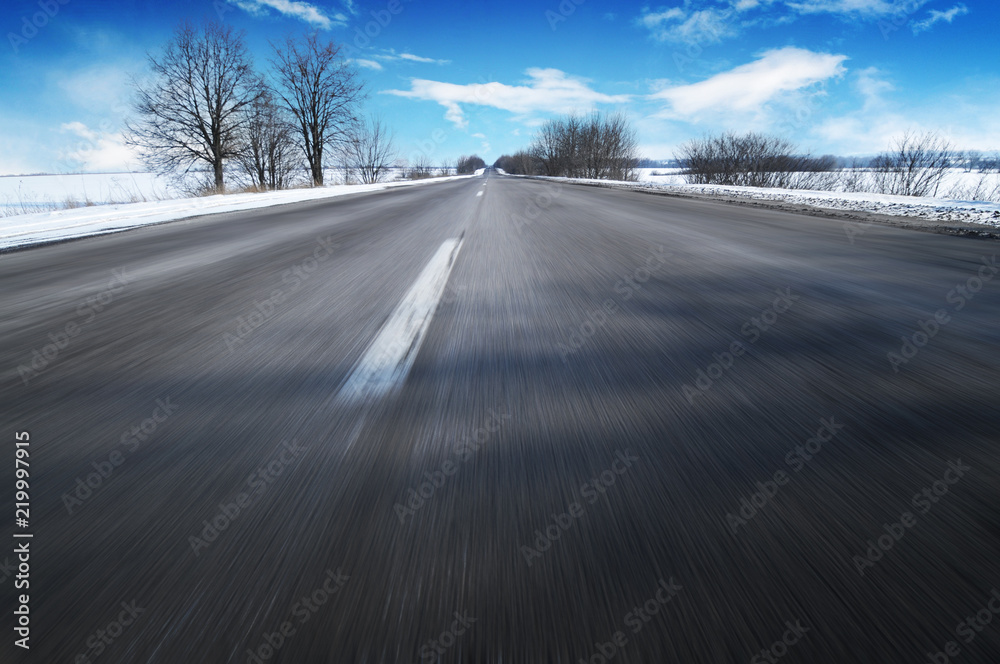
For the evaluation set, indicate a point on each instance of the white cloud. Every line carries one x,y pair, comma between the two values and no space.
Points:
16,165
369,64
294,9
747,88
95,151
418,58
547,90
937,16
653,20
705,22
872,86
484,142
864,8
963,117
689,26
98,88
390,55
861,134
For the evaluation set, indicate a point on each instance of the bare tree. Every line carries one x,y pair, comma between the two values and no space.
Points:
915,165
193,109
370,150
612,147
267,153
547,149
322,91
526,163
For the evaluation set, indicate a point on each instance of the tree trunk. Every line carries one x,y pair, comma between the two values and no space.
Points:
220,186
317,166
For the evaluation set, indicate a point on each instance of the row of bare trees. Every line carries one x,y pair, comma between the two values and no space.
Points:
599,146
322,92
752,160
205,105
914,165
422,167
467,165
519,163
980,162
267,151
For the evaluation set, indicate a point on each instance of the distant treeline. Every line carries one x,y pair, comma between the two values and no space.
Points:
973,161
605,147
913,165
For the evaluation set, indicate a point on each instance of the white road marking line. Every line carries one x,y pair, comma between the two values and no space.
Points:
385,364
479,194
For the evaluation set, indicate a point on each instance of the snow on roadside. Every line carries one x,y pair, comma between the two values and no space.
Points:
20,194
28,229
933,209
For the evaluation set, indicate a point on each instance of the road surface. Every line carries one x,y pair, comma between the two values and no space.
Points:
635,429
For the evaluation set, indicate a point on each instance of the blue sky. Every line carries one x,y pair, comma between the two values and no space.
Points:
457,77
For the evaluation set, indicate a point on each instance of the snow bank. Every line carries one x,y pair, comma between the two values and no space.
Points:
934,209
26,194
28,229
36,193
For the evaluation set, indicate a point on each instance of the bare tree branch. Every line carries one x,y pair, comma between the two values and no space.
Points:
193,110
370,150
267,153
754,160
915,165
602,146
322,91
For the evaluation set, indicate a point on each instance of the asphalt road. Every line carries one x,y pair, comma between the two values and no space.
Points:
601,471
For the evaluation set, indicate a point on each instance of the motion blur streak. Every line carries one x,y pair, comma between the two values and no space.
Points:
515,294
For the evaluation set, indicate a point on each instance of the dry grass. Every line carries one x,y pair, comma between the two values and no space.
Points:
986,189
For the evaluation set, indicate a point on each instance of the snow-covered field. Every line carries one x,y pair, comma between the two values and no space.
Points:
40,227
661,175
24,194
933,209
20,194
957,184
